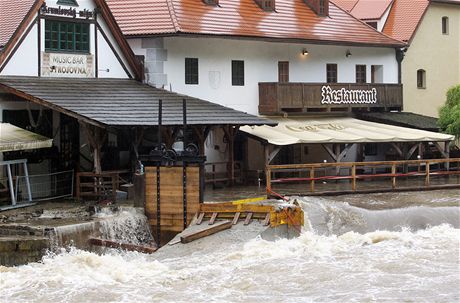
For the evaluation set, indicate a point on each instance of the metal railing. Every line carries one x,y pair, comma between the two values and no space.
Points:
353,172
45,186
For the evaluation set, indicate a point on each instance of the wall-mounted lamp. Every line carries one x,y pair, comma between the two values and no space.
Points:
304,52
348,53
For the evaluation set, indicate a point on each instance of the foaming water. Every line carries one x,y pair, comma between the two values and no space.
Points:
341,256
127,225
330,217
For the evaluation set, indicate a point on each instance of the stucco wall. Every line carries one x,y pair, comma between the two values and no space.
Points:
438,55
261,65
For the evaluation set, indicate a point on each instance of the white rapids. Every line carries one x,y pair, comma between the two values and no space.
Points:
344,254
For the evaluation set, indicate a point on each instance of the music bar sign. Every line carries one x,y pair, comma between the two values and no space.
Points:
348,96
67,65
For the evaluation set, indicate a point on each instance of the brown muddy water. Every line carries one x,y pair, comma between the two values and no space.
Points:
400,247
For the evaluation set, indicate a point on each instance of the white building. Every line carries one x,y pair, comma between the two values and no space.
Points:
266,58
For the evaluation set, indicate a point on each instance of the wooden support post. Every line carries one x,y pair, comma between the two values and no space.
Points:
206,232
268,179
353,175
393,178
427,170
312,179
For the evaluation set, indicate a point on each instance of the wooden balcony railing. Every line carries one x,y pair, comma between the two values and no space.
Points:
278,98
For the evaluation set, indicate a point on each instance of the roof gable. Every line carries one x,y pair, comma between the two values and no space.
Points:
22,21
404,18
370,9
293,20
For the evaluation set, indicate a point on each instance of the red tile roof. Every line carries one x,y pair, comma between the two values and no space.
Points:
346,4
370,9
11,14
293,19
404,17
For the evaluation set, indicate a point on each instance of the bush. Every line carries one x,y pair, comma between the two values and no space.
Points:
449,114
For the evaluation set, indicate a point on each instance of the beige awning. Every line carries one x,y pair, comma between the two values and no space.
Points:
295,130
13,138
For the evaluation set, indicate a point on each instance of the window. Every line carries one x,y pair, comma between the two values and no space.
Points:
237,73
67,2
66,36
445,25
360,73
191,70
421,78
322,8
331,73
283,71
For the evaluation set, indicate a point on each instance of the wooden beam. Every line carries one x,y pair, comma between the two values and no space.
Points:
441,149
329,151
344,152
397,148
126,246
411,151
206,232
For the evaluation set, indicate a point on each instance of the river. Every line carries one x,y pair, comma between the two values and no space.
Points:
368,248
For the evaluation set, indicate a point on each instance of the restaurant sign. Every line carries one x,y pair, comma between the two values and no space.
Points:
67,65
348,96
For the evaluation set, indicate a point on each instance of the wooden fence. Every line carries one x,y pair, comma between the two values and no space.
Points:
97,187
355,171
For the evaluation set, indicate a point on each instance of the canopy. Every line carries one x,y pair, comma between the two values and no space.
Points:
13,138
295,130
121,102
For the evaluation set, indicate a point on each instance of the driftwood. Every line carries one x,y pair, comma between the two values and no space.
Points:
126,246
206,232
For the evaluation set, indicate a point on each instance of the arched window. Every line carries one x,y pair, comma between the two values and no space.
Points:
421,78
445,25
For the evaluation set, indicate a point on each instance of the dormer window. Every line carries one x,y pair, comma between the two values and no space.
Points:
320,7
67,2
266,5
211,2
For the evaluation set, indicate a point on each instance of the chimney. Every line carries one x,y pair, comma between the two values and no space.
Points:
320,7
266,5
211,2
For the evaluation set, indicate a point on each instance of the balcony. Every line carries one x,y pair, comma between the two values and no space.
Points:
277,98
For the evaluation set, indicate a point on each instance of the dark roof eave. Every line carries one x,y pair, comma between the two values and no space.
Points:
269,39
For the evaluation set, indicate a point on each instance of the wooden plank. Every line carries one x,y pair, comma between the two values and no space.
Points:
206,232
200,219
126,246
236,218
266,221
247,221
213,218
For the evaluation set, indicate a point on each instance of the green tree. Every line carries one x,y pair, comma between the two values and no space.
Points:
449,114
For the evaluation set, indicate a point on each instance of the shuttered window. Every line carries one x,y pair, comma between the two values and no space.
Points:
191,70
360,73
331,73
283,71
66,36
237,73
